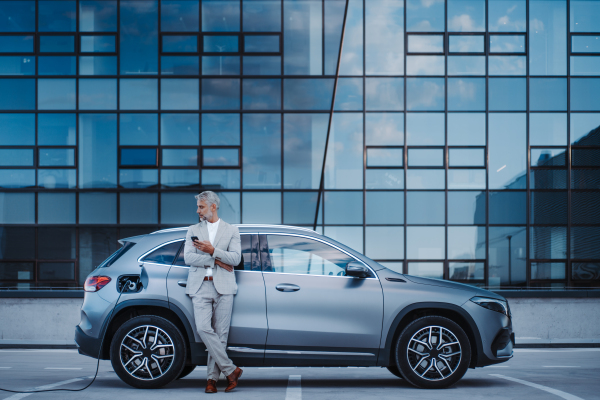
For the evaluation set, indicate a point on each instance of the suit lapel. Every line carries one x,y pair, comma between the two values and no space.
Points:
203,231
220,232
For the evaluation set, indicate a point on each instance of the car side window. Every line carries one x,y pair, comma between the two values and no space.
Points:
165,254
245,263
298,255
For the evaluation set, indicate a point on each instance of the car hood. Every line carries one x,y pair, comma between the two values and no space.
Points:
453,285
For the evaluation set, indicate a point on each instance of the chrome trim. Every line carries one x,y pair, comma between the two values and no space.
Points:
320,353
244,350
158,247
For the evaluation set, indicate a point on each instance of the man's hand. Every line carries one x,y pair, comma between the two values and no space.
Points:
204,246
226,267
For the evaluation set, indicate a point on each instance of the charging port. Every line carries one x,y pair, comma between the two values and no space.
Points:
129,284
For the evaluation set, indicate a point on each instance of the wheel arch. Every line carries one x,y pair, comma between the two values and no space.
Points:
418,310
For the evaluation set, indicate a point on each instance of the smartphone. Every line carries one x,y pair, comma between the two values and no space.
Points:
194,238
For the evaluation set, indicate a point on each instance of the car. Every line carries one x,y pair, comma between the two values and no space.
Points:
303,300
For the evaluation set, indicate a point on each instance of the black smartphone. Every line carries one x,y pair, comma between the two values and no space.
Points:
194,238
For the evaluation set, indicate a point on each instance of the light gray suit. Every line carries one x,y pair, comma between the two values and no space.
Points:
213,300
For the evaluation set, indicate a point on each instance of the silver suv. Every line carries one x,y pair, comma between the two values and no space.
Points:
303,300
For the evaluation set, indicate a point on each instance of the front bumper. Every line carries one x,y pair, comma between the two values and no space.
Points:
87,345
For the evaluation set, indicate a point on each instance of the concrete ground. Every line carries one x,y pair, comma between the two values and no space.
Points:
532,374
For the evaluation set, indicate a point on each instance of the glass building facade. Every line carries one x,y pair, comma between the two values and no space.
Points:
456,139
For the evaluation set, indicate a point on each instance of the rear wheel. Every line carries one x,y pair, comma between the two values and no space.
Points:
148,352
433,352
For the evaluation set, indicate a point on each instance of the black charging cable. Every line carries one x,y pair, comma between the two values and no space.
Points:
126,285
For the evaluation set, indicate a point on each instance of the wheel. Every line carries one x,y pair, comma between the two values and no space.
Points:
394,370
148,352
433,352
186,371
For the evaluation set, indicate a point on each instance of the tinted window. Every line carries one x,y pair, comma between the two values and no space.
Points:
296,255
165,254
246,261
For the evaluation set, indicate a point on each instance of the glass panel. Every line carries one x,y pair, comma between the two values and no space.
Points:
17,129
385,208
261,16
384,179
57,65
585,272
466,43
584,16
17,178
547,94
262,151
17,94
547,129
384,94
57,16
138,94
334,18
384,35
57,44
584,94
466,15
57,178
221,65
16,157
146,157
97,208
97,44
343,208
548,179
17,208
57,243
179,44
425,43
583,209
507,94
180,157
299,207
508,207
262,65
56,130
466,94
352,51
466,129
507,256
548,37
466,208
583,127
17,65
20,13
389,157
220,94
585,157
138,208
384,129
262,94
303,39
304,146
180,129
56,208
585,65
261,44
507,16
179,94
16,44
179,65
585,242
425,16
585,179
349,95
138,178
56,271
97,94
214,179
221,157
466,271
507,65
138,129
221,129
466,242
547,157
549,242
585,44
221,44
425,65
56,157
220,15
425,243
17,271
98,65
425,129
425,94
138,42
549,208
426,269
164,255
425,208
56,94
97,16
384,242
344,164
466,179
507,43
97,151
466,65
425,179
262,208
170,178
179,16
15,243
546,271
308,94
425,157
466,157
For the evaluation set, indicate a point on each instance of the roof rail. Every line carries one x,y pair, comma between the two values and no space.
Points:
242,225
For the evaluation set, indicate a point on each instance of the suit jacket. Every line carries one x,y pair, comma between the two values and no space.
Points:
227,249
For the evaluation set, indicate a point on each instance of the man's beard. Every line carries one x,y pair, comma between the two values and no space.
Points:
205,217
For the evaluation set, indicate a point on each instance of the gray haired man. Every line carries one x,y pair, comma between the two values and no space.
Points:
212,248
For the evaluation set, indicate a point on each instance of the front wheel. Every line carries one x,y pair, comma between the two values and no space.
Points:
148,352
433,352
188,369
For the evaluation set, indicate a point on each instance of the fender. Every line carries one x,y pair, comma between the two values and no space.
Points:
384,354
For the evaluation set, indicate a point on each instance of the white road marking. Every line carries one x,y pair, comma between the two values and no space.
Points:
19,396
60,368
559,393
562,366
294,389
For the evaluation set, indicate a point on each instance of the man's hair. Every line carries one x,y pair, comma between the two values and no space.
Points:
209,197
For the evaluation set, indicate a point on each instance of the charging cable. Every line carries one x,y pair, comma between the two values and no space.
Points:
124,288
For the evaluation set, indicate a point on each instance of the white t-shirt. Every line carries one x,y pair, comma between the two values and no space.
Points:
212,232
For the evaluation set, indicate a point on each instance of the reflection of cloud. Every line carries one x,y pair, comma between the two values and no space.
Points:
429,3
466,44
465,90
462,23
507,65
415,5
422,26
384,38
426,95
536,25
425,44
425,65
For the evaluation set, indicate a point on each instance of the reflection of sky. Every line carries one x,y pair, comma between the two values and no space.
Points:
425,129
466,15
425,94
425,15
507,65
507,16
466,65
466,44
425,65
466,94
384,37
507,148
352,51
425,43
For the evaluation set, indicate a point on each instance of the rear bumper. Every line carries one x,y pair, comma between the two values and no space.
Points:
87,345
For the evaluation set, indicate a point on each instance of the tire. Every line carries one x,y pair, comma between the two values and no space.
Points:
394,370
419,343
143,361
188,369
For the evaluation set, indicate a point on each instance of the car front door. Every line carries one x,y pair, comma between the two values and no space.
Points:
248,331
316,314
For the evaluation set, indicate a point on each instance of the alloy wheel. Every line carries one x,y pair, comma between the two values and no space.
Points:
147,352
434,353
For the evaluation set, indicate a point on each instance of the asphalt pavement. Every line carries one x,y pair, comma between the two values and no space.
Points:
532,374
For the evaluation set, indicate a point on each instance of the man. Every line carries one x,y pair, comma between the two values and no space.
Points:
211,285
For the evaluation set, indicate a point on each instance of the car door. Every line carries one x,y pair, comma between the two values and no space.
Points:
316,314
248,331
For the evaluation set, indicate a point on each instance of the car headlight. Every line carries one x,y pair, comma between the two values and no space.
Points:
500,306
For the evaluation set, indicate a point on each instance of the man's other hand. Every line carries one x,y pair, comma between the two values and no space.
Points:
226,267
204,246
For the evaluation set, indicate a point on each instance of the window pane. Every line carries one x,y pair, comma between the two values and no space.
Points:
466,271
180,129
585,157
57,65
16,44
586,272
302,40
97,65
146,157
466,179
138,208
56,16
344,163
19,16
97,151
584,94
585,66
425,243
262,16
56,271
16,208
466,129
17,94
424,17
349,94
383,129
466,208
214,179
583,127
386,94
299,207
221,129
221,44
221,157
507,43
548,242
97,16
507,94
17,271
180,65
57,178
384,242
352,53
425,43
18,65
466,65
179,178
179,94
385,208
97,94
546,271
549,179
343,208
425,129
548,157
220,15
138,129
97,44
584,16
466,43
221,65
507,262
466,157
425,208
262,151
56,94
466,94
138,178
16,157
138,42
384,35
425,94
585,242
466,15
165,254
262,208
97,208
384,179
308,94
56,130
507,16
548,94
179,16
508,207
507,65
262,65
180,157
548,39
220,94
262,94
425,157
583,209
425,179
57,157
57,44
138,94
550,208
261,44
56,208
466,242
425,65
548,129
388,157
426,269
17,178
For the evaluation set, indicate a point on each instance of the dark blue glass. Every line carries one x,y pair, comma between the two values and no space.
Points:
97,208
507,245
179,177
17,94
385,157
97,15
220,178
174,208
220,129
138,129
343,208
138,208
220,65
302,40
261,44
16,44
57,44
584,240
425,129
57,65
385,208
97,65
137,179
179,94
220,94
138,94
179,157
548,94
384,129
16,157
141,157
17,65
466,94
17,16
508,207
299,207
262,65
180,129
349,94
262,16
56,208
262,151
425,94
466,208
220,157
221,44
57,178
97,156
507,94
97,44
220,15
307,94
97,94
18,178
57,15
584,94
179,16
180,65
583,209
179,44
466,129
56,157
56,130
138,44
551,208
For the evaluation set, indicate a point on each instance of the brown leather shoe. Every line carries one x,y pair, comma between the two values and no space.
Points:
233,379
211,386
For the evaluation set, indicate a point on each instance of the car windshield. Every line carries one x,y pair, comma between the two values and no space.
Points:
116,255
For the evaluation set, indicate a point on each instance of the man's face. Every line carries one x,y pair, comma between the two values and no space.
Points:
204,212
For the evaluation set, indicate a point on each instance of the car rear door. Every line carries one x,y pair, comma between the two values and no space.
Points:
316,314
248,332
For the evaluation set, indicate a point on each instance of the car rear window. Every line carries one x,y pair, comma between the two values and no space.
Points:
116,255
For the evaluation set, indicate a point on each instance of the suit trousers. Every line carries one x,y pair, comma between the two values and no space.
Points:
212,312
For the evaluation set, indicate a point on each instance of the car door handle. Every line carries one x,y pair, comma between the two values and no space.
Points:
182,283
287,287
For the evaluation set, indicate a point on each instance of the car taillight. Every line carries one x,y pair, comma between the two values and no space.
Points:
95,283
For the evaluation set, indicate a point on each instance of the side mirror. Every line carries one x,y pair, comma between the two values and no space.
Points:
356,270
